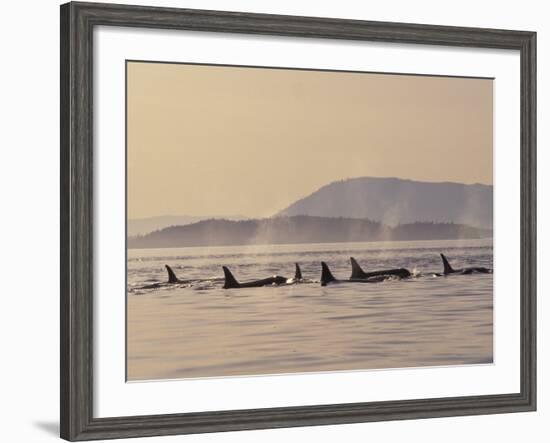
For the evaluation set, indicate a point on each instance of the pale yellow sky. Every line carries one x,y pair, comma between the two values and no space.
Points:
208,140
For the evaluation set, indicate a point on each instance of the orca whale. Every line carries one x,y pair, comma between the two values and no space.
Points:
448,269
298,273
297,276
357,272
231,281
328,278
172,280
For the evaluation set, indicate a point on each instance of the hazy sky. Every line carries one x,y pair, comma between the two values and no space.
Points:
206,140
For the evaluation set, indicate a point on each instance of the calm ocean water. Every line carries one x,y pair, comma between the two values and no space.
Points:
198,329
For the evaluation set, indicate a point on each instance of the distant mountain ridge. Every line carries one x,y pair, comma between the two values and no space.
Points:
394,201
142,226
298,229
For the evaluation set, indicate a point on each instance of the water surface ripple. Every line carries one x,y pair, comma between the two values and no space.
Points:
198,329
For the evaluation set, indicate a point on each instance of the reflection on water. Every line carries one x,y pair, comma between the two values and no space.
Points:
198,329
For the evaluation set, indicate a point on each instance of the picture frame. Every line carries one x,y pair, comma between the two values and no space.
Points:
78,21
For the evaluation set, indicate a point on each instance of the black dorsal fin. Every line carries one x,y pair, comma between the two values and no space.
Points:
230,281
298,273
326,275
356,271
447,268
171,275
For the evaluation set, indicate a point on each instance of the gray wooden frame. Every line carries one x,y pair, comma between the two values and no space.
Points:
77,23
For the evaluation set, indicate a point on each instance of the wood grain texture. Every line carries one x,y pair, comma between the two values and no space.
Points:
76,123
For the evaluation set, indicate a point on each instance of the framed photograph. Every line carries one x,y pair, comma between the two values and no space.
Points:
272,221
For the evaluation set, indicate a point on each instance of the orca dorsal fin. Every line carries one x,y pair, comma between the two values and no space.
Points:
171,275
298,273
447,268
326,275
356,271
230,281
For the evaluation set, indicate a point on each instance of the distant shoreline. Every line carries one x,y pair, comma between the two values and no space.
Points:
318,243
299,230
